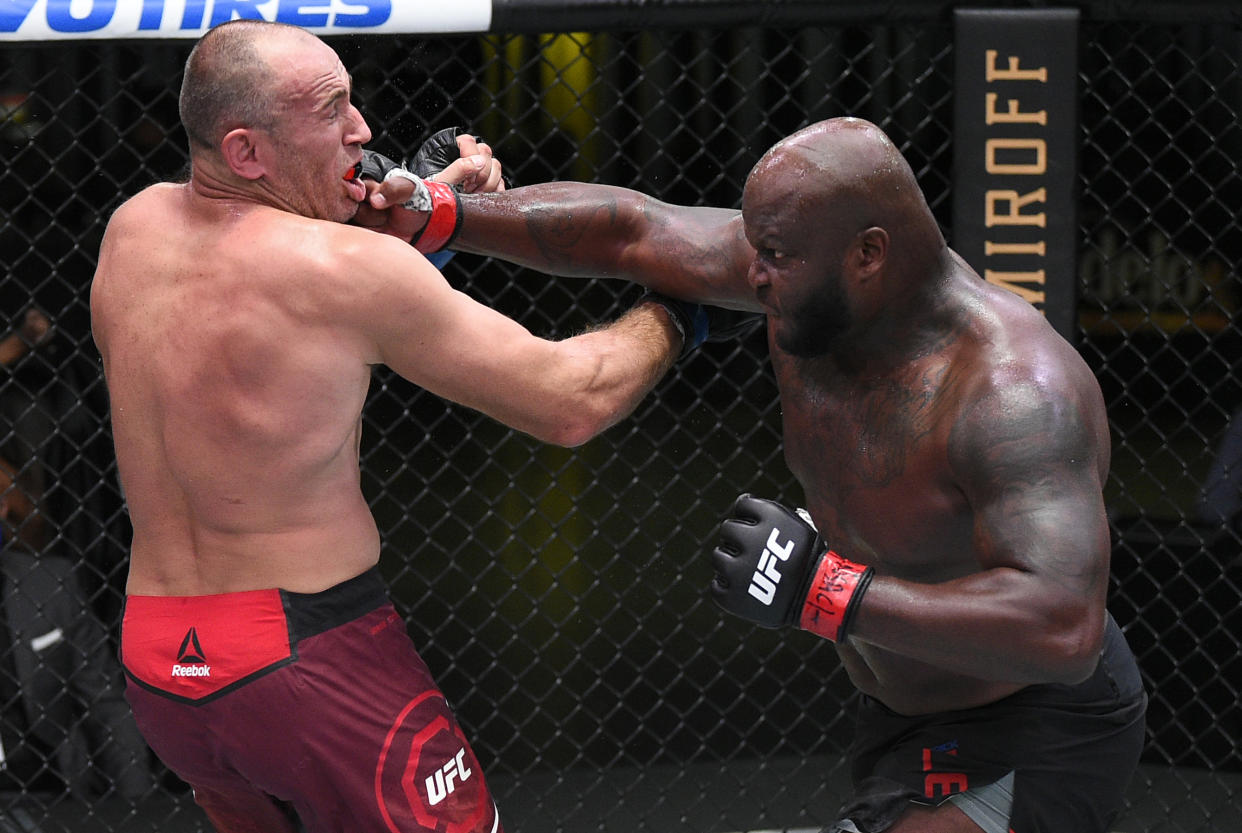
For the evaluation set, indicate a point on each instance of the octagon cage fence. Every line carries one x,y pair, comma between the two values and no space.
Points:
559,595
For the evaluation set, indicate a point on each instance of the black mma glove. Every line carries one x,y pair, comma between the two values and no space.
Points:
436,197
435,154
698,323
438,152
375,166
773,569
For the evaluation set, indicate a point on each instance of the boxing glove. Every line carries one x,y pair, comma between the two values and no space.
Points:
439,151
773,569
699,323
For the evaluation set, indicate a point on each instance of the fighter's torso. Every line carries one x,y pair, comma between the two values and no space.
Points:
235,411
871,452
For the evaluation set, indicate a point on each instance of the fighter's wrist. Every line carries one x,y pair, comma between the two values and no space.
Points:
444,222
673,320
685,318
836,589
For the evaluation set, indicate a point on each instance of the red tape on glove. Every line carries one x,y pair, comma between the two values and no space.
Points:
836,588
445,218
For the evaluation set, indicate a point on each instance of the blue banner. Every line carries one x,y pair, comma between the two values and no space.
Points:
39,20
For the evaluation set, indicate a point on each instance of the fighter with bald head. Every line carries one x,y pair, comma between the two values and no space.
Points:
952,449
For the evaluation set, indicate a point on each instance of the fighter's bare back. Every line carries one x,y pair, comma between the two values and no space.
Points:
237,400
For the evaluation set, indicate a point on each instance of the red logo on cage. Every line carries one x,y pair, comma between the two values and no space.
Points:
427,774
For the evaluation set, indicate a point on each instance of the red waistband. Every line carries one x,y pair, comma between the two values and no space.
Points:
196,648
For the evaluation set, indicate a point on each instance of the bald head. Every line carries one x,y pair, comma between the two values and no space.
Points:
229,79
855,173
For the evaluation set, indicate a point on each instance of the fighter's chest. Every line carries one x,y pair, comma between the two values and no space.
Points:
872,458
873,429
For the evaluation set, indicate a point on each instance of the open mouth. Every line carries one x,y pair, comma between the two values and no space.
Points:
357,190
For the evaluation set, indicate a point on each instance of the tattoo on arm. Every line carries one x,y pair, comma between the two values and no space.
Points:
1026,460
564,238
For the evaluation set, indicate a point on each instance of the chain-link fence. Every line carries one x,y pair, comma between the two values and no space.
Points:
558,595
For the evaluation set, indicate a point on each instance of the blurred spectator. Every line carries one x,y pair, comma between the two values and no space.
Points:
52,410
34,329
62,713
26,423
1222,493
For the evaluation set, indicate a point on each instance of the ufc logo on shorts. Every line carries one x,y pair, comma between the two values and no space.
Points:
441,783
763,582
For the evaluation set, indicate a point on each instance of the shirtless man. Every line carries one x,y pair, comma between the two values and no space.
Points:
239,317
952,449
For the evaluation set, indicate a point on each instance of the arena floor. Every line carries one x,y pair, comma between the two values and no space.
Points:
1163,800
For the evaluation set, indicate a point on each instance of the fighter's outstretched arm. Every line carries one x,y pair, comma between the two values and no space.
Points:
586,230
395,309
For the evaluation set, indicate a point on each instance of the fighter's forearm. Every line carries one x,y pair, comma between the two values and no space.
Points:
564,228
1001,624
585,230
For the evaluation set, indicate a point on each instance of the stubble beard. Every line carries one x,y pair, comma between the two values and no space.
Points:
814,328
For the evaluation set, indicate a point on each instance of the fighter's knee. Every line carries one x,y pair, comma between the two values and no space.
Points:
943,819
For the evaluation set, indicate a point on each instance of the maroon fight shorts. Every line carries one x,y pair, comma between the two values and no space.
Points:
269,703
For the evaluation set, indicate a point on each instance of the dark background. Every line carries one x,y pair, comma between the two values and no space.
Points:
559,595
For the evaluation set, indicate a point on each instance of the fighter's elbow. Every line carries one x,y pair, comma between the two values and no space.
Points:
569,433
1072,651
573,423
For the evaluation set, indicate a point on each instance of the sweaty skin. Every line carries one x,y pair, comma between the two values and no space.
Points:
239,317
942,432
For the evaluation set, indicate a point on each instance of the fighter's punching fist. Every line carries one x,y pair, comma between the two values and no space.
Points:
437,199
447,162
773,569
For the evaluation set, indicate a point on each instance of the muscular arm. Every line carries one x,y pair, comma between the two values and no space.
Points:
586,230
1030,465
563,392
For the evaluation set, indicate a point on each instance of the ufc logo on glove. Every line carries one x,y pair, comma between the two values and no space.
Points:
820,589
765,578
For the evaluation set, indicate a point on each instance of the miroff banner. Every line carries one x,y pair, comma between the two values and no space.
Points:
41,20
1015,137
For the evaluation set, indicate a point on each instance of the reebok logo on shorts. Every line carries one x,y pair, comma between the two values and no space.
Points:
246,634
190,659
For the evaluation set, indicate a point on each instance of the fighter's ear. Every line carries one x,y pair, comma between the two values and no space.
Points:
241,152
872,247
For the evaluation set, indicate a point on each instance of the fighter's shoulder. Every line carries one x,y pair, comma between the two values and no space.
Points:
339,246
1028,398
152,201
353,266
709,244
